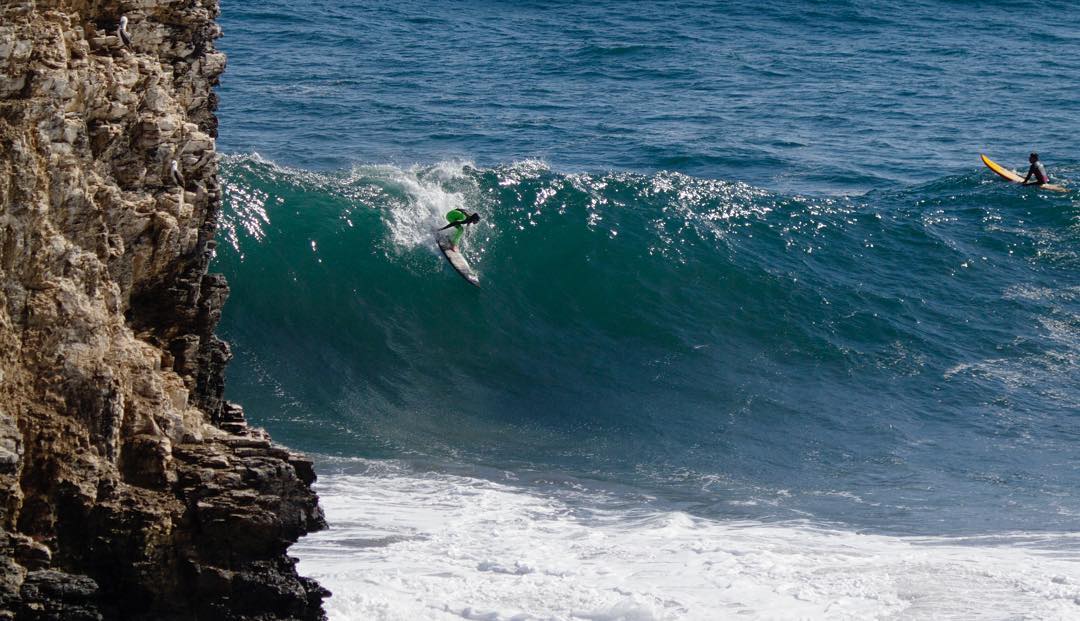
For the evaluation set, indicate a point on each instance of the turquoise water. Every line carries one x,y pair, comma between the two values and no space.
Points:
739,263
704,339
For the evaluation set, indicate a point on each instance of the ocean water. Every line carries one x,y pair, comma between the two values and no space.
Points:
758,335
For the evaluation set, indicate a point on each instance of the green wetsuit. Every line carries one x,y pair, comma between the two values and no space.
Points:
455,216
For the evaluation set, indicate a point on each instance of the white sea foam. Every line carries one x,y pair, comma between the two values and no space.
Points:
418,196
428,199
408,545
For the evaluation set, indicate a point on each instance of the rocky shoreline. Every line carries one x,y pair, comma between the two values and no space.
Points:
128,487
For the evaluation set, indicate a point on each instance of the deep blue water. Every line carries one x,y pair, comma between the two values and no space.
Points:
793,96
741,258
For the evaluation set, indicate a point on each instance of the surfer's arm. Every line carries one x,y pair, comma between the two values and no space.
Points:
451,225
1031,171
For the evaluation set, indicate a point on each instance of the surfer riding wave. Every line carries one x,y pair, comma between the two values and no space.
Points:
458,218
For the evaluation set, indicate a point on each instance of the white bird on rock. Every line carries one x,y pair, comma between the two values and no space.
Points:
174,172
122,32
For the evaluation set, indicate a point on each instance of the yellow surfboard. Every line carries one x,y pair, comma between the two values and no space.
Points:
1005,173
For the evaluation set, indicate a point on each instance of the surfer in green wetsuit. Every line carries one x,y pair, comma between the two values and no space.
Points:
458,218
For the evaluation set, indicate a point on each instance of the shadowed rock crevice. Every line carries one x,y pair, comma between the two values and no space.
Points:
129,488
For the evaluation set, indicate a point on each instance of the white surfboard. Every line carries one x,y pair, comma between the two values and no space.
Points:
458,262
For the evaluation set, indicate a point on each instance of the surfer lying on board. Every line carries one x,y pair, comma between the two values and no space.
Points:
1037,170
458,218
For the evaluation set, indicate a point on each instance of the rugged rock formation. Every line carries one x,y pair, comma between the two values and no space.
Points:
128,488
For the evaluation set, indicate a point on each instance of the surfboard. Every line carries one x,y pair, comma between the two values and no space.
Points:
458,262
1005,173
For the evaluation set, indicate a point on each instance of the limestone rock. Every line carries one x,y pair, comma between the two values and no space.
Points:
129,488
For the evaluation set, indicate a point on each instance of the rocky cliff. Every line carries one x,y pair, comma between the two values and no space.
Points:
128,487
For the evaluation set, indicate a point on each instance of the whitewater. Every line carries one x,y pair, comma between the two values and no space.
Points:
410,544
758,335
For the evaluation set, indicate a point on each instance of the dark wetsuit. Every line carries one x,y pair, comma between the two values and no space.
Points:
1038,171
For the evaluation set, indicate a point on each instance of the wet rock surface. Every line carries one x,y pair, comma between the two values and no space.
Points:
128,487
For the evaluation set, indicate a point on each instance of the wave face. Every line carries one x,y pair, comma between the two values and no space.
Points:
902,362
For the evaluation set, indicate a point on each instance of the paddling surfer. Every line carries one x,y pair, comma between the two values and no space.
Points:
458,218
1037,170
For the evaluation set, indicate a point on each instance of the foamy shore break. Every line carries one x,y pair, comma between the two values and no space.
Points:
128,487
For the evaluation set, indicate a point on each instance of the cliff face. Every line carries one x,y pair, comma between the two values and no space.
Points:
128,488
